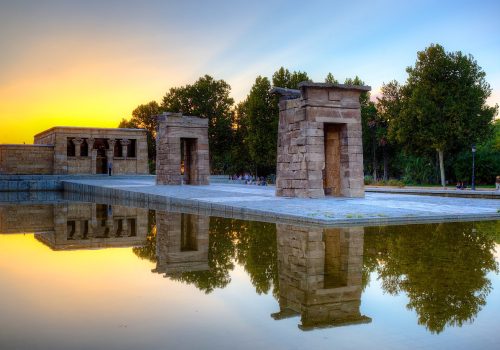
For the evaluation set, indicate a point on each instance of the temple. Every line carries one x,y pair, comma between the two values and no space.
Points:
182,155
74,150
320,149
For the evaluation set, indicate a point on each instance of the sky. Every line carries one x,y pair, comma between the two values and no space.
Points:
90,63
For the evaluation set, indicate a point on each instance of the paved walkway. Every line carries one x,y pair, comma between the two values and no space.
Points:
437,191
260,202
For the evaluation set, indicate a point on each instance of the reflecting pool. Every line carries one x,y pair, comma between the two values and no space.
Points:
95,276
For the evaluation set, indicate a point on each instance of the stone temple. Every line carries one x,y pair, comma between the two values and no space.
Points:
74,150
320,148
182,155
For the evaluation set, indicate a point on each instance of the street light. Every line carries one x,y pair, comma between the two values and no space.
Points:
473,187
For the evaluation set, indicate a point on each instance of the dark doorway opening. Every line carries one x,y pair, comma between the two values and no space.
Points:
188,233
101,164
188,160
336,258
331,175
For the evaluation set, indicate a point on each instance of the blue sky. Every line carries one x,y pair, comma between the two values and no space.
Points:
96,60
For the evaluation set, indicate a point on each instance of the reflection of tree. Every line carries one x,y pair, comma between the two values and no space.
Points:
441,267
148,251
257,252
252,244
220,259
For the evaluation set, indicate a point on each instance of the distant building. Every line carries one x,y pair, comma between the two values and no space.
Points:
72,150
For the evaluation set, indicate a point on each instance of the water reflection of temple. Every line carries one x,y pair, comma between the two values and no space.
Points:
181,243
66,226
320,275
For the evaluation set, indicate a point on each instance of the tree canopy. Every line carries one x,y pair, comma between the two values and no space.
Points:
207,98
444,105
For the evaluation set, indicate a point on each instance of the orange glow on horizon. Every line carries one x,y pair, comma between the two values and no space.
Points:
32,107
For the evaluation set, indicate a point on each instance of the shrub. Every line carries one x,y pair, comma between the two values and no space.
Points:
368,179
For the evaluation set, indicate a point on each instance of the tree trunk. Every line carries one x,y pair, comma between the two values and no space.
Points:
386,163
441,167
374,155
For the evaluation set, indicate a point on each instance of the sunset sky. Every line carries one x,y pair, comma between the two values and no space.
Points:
89,63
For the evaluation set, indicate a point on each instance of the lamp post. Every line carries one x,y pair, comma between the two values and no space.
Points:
473,186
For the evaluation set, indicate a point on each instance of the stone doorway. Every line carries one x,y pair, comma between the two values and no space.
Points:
101,163
320,149
331,174
188,160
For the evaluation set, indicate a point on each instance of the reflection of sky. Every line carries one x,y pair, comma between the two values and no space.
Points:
110,299
92,62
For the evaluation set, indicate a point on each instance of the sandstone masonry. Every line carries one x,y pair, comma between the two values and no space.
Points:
70,226
320,148
72,150
182,155
320,275
181,243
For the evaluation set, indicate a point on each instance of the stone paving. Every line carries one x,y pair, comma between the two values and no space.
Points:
261,202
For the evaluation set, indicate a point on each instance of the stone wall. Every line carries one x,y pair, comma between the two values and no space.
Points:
15,218
173,128
320,275
307,165
87,164
26,159
181,242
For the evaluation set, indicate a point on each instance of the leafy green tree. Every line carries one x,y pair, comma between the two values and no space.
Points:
261,110
256,123
144,117
207,98
331,79
444,104
487,164
369,119
388,107
283,78
240,153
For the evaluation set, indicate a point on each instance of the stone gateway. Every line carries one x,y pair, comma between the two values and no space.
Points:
320,149
182,155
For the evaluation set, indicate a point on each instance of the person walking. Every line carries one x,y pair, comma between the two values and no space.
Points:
110,168
497,183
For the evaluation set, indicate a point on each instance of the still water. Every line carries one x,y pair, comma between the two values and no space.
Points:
92,276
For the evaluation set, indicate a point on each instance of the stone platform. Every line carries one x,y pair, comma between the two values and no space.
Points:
260,203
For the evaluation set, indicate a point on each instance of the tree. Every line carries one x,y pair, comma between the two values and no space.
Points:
261,110
444,104
207,98
331,79
442,268
255,125
389,107
369,118
144,117
240,153
283,78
